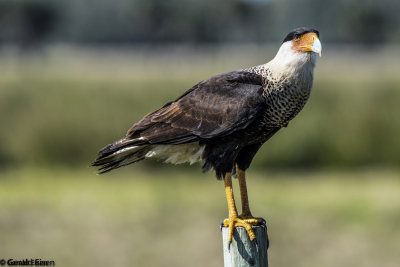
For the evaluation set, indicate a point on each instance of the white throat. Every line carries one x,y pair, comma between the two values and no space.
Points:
290,64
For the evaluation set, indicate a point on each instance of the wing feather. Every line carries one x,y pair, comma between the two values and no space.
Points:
215,107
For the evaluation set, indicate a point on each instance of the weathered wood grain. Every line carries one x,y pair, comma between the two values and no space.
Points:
242,251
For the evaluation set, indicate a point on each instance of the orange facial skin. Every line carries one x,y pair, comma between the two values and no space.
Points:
305,42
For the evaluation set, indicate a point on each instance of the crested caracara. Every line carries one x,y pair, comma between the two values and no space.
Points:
224,120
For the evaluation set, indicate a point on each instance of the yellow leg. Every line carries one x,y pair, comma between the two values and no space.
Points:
229,196
233,220
246,213
243,192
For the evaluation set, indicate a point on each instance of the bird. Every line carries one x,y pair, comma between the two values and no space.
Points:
224,120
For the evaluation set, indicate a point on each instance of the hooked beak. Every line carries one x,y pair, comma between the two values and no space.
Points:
317,47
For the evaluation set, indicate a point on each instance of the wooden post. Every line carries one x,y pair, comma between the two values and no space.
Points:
243,252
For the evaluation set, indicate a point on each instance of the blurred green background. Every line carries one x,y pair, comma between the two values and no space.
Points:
75,75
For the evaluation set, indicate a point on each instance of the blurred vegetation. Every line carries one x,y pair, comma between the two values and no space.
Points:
62,105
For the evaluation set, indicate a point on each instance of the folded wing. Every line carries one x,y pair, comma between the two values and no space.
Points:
215,107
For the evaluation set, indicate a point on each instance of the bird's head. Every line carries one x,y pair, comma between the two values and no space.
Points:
297,54
304,40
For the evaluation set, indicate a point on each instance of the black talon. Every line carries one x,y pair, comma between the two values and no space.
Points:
229,245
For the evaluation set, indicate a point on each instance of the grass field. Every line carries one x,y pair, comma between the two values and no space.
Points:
165,218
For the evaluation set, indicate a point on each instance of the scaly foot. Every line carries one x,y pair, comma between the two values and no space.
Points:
243,221
252,220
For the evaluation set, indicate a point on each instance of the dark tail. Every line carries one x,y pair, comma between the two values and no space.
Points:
121,153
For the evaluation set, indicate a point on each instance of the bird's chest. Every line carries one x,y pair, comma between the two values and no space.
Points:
284,103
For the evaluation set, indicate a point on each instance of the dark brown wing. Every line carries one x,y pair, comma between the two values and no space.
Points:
215,107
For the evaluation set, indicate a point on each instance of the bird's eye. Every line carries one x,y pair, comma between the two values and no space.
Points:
296,37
